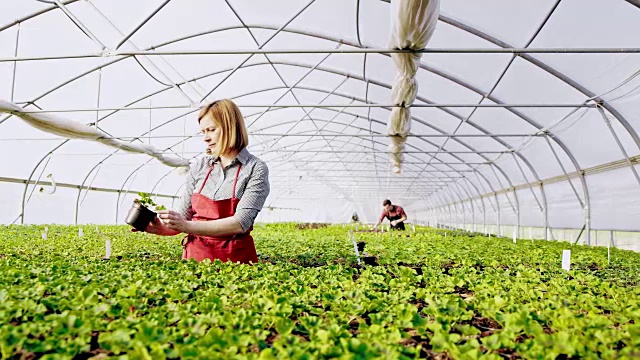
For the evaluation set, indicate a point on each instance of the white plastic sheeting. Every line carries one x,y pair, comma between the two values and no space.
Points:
328,162
413,24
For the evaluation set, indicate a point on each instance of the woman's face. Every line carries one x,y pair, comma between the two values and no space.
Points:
211,132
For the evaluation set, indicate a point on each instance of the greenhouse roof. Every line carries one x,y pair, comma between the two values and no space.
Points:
525,113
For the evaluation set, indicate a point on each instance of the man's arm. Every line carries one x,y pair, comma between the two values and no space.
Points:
403,218
396,222
382,216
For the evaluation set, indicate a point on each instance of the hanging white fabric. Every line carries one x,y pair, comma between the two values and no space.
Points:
76,130
413,23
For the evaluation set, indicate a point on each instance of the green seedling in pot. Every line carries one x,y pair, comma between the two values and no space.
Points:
140,214
146,200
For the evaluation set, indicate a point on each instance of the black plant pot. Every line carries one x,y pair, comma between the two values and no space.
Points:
371,260
140,216
361,245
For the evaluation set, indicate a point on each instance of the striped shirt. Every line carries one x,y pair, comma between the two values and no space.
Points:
252,188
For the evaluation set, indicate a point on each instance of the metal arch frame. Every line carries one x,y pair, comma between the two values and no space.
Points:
133,172
488,94
288,30
442,18
289,88
574,84
168,88
539,64
468,198
177,144
445,184
635,3
418,120
464,144
583,185
274,125
476,32
484,216
441,73
430,125
308,114
35,14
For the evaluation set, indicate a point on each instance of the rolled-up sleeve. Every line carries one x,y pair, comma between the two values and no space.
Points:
184,203
254,196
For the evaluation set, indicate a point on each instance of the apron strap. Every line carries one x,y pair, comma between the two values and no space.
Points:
233,194
206,178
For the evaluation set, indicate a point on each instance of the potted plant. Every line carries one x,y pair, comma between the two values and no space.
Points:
140,214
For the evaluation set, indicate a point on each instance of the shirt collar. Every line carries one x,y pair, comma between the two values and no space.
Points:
242,157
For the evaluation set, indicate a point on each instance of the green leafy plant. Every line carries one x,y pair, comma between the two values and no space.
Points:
431,296
146,200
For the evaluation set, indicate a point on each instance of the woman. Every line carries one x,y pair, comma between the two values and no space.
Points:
223,193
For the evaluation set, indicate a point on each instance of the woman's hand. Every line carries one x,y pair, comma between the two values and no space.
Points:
156,227
173,221
394,223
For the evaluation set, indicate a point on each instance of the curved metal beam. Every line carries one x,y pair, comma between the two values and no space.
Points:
635,3
429,125
344,95
35,14
476,32
524,159
292,31
352,114
441,73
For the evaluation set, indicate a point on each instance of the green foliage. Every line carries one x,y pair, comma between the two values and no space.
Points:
458,296
146,200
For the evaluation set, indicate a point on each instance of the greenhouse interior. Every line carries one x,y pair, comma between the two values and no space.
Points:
312,179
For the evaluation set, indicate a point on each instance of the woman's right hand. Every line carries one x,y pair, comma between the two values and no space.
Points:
156,227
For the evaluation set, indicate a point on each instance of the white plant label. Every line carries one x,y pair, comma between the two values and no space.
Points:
80,232
355,247
107,249
514,236
44,235
566,260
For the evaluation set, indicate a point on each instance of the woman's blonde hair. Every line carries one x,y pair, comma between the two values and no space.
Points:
233,133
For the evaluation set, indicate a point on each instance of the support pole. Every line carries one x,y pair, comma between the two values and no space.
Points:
498,230
617,139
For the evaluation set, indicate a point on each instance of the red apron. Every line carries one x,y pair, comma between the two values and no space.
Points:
235,248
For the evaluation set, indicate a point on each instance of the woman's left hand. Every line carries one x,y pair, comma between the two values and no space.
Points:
173,221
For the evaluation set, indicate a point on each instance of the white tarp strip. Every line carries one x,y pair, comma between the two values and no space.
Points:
76,130
413,23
